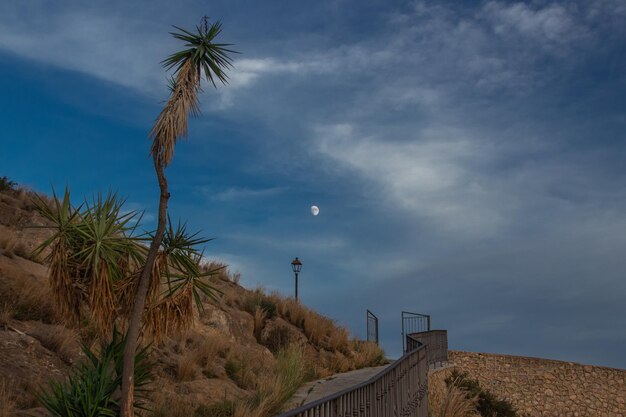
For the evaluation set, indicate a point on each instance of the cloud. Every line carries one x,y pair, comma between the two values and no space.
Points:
436,176
115,48
238,193
552,24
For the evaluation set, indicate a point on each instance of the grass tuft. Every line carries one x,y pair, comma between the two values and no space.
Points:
59,339
8,402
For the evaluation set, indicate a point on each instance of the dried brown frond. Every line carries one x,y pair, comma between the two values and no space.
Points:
125,290
66,295
173,314
154,290
101,299
172,122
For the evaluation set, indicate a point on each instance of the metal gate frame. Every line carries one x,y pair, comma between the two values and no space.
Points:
413,323
372,327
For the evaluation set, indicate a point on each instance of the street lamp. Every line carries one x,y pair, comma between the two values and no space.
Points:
296,265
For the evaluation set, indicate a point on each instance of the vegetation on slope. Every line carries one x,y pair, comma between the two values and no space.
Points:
244,355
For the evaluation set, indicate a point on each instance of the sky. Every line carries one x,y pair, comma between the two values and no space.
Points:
467,157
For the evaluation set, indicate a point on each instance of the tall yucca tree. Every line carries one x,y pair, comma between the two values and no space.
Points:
201,58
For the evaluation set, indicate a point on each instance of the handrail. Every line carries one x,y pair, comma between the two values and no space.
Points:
401,389
329,398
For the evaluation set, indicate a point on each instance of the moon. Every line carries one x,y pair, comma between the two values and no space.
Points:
315,210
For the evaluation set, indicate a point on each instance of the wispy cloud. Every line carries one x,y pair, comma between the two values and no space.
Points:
241,193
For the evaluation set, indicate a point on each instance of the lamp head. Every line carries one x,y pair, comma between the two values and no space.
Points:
296,265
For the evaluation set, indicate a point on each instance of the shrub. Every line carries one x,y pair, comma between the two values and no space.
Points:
278,338
367,354
6,184
488,404
257,300
93,387
453,402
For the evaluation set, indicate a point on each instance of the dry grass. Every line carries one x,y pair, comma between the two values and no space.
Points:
367,354
277,385
321,331
32,300
245,370
186,369
197,352
59,339
8,402
29,298
452,401
12,246
6,312
165,405
260,315
7,243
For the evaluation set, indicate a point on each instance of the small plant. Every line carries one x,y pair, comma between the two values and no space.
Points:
488,405
92,389
6,184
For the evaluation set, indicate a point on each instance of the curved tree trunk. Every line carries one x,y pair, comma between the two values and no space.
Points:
132,336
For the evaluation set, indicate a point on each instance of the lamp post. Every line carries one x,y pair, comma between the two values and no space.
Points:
296,265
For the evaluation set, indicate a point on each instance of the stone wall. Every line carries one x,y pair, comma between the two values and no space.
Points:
543,387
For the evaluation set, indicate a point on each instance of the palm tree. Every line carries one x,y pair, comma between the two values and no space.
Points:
202,58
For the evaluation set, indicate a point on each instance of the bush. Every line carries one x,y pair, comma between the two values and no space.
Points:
257,300
93,387
488,404
6,184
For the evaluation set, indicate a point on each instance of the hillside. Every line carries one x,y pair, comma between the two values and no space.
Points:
231,361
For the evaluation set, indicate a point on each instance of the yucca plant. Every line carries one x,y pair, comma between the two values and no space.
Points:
181,277
93,387
95,260
91,251
201,58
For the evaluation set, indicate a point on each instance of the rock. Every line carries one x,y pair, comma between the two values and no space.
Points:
278,334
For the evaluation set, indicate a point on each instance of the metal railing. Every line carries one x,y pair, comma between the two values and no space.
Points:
413,323
399,390
372,327
436,342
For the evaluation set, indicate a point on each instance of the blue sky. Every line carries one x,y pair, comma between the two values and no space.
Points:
467,158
